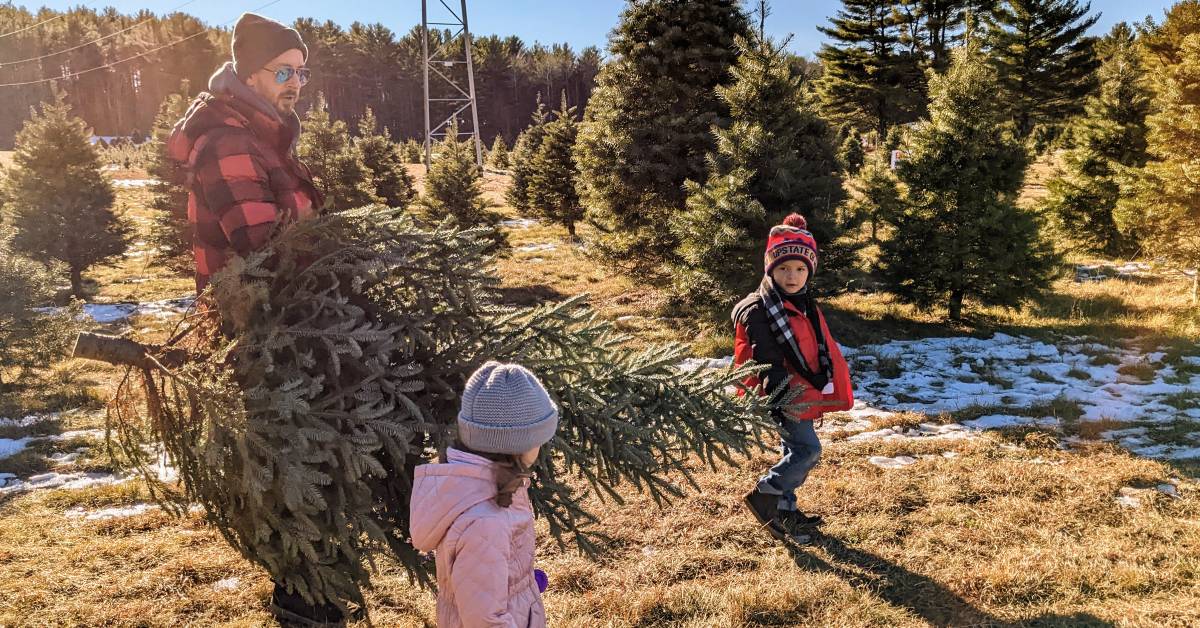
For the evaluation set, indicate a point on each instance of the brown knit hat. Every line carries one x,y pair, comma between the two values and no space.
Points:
257,40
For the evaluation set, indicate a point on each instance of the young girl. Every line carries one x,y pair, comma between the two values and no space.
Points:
781,326
474,510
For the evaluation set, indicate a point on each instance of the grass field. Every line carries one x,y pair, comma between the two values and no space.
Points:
1001,529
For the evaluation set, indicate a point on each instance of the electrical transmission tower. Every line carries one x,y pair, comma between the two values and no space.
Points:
443,62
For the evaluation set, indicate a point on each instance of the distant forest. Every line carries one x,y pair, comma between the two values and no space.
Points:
365,65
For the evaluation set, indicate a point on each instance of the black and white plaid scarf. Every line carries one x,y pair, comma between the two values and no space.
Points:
772,300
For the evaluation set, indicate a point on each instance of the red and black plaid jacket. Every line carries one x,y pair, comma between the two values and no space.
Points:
243,178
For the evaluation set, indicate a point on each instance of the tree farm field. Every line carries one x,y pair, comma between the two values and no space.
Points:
1029,507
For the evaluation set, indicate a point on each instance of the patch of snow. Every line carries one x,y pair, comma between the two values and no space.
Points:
1168,489
519,223
28,420
5,478
92,434
953,431
1129,501
695,364
113,312
941,375
133,183
63,481
530,248
64,458
164,470
227,584
13,446
997,421
898,462
117,512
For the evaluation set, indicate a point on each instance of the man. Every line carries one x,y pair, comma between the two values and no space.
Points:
238,142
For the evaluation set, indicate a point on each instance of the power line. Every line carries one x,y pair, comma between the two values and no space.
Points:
94,41
22,30
128,59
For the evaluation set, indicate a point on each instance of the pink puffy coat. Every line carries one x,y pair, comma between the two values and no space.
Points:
484,552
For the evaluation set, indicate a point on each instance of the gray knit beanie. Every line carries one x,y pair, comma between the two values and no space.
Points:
505,410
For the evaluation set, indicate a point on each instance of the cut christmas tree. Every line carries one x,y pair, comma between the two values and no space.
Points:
328,365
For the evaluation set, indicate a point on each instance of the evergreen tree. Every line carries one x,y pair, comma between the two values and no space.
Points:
776,156
553,174
1045,62
868,78
960,234
300,429
453,186
170,230
498,155
521,160
56,199
337,165
647,127
1109,137
895,139
851,154
381,156
876,194
28,338
1160,202
413,151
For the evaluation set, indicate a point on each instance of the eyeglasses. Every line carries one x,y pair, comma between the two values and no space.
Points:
284,74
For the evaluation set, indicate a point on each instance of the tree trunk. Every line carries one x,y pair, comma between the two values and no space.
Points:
956,302
125,352
77,282
571,232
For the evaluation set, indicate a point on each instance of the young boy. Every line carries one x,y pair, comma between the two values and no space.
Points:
781,326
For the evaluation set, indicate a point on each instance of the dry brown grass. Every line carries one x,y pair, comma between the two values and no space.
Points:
137,278
997,535
1001,534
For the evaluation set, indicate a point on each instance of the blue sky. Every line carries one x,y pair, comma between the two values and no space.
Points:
578,22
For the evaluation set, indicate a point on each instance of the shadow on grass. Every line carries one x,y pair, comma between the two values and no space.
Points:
854,329
530,295
921,595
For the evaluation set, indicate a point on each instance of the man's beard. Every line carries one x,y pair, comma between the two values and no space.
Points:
285,104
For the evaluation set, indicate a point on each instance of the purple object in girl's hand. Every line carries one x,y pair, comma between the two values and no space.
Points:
542,580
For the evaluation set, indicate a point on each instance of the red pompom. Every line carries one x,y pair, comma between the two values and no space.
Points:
796,220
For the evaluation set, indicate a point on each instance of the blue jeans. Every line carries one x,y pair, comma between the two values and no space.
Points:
801,450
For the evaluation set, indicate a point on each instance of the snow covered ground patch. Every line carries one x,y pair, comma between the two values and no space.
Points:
70,481
694,364
116,512
1021,382
105,313
898,462
530,248
519,223
133,183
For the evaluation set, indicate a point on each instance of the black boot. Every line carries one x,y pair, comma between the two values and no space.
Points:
291,609
798,521
766,509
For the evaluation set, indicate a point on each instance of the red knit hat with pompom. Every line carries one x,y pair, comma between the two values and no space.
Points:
791,241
